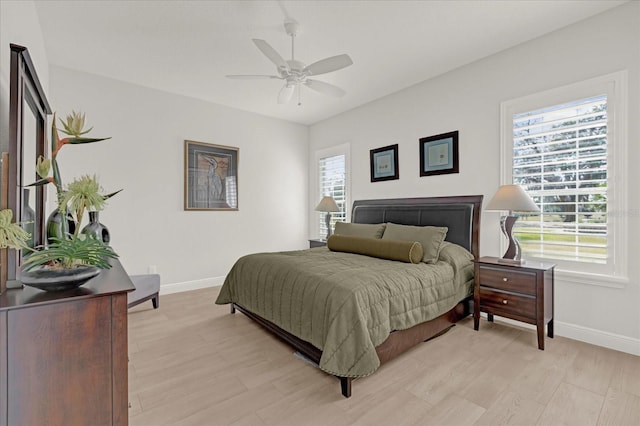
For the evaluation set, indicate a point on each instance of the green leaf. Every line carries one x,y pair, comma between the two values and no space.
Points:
40,182
106,197
54,134
75,141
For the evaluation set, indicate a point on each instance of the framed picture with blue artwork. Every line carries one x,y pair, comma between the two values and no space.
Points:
210,176
384,163
439,154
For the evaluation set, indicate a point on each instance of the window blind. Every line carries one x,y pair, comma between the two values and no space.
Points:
560,159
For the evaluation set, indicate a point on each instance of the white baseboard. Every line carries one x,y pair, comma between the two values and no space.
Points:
584,334
598,337
191,285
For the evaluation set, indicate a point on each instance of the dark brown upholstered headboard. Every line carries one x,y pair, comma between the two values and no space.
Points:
461,214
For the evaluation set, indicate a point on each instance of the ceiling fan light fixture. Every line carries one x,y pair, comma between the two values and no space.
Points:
286,93
295,72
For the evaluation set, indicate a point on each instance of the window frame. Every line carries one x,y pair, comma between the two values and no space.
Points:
615,272
342,149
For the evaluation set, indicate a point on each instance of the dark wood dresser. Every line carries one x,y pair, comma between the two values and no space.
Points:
63,355
523,292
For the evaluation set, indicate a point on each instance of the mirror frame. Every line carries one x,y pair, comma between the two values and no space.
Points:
25,89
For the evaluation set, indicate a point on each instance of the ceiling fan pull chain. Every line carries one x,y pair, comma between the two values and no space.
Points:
299,96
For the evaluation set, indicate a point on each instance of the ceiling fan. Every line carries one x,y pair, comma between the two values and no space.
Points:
295,73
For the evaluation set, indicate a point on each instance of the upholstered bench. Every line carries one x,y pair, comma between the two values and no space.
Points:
147,287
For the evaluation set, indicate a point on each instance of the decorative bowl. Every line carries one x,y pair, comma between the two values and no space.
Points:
47,279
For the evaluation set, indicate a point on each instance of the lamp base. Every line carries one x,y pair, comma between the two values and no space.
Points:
513,253
327,221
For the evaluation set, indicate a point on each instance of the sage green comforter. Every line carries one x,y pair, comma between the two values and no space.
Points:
347,304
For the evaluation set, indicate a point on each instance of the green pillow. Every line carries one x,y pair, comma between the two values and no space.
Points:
364,230
403,251
431,238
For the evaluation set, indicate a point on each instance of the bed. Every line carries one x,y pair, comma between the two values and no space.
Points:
364,310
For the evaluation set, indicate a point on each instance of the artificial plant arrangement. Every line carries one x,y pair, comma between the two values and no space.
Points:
65,253
71,250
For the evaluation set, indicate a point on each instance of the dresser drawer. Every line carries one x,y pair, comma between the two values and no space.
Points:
515,281
508,303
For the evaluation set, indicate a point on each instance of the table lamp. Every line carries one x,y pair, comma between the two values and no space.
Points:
511,198
327,204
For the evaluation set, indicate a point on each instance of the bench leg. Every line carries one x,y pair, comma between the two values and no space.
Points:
156,301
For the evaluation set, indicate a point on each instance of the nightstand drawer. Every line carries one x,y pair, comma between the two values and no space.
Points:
508,303
515,281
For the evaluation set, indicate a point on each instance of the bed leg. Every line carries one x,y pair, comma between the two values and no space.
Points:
233,308
345,385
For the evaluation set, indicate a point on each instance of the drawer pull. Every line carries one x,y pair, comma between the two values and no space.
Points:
505,301
504,279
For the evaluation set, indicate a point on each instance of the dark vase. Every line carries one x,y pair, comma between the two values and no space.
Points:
28,218
96,229
54,226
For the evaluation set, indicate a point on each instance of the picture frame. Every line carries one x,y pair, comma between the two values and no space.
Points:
384,163
210,176
439,154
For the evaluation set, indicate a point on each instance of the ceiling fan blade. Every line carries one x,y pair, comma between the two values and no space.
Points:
271,53
286,93
325,88
326,65
252,77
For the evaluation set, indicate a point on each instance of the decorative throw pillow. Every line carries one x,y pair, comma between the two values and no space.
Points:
364,230
431,238
403,251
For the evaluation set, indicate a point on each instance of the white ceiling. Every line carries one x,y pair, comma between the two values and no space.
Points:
187,47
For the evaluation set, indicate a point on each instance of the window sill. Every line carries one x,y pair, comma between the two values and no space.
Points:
591,279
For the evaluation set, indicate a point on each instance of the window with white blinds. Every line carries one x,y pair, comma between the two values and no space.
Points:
566,147
332,182
560,159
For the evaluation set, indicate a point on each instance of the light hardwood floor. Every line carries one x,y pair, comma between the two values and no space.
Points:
193,363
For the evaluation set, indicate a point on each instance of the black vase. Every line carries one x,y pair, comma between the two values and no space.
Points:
28,220
96,229
54,226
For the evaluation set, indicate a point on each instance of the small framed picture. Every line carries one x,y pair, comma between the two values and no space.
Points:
384,163
439,154
210,176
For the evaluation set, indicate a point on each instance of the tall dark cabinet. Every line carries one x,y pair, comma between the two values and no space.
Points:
63,356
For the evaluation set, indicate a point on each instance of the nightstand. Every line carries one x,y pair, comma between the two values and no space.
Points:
317,243
523,292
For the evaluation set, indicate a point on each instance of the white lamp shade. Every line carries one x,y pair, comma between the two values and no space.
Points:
512,198
327,204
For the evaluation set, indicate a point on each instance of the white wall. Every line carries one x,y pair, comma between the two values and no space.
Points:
19,24
146,157
468,99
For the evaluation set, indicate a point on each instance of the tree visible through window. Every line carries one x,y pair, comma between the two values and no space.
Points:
332,179
560,159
